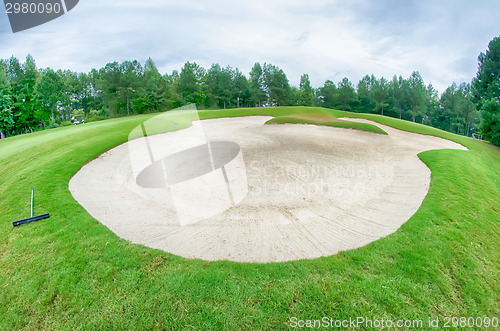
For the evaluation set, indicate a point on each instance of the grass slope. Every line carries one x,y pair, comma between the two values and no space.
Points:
324,118
72,272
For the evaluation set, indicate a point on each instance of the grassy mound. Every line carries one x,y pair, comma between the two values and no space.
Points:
70,271
296,115
324,118
333,123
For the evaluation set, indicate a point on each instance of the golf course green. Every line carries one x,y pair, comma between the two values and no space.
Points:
71,272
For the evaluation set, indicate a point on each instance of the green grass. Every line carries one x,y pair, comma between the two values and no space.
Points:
323,118
70,271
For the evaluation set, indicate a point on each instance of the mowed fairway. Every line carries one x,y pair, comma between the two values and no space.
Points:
70,271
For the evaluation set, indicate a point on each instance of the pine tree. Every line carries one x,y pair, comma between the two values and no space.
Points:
486,91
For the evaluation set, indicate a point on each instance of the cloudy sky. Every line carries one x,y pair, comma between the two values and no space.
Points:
327,39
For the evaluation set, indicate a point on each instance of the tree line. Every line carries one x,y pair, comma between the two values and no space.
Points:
34,99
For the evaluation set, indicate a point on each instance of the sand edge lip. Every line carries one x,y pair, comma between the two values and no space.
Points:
384,127
270,227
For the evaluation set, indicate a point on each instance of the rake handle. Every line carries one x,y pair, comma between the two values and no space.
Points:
32,202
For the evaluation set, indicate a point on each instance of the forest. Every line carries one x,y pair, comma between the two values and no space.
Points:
33,99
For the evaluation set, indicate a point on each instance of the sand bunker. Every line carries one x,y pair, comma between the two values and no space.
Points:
257,193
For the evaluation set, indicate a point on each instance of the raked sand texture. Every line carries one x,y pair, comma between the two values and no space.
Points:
236,189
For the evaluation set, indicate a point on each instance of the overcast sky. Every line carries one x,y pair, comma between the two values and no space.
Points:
324,38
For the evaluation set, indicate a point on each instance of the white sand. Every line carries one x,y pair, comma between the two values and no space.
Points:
291,192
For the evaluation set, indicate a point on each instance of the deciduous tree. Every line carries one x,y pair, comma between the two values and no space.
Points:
276,85
380,94
191,83
6,117
328,94
257,91
347,94
49,93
